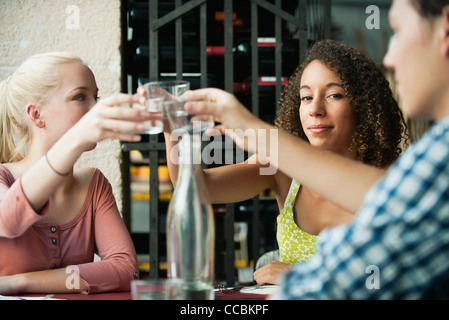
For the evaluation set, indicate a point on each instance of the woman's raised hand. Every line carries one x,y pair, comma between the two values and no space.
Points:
236,121
107,120
223,105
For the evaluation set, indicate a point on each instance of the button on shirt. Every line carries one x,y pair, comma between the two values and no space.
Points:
55,249
398,243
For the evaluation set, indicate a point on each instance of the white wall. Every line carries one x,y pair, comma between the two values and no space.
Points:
91,29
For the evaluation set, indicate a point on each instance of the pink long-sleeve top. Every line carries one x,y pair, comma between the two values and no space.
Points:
28,244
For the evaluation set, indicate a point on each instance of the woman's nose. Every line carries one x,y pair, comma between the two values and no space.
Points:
388,60
317,108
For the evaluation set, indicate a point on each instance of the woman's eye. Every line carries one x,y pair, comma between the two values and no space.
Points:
336,96
80,97
306,98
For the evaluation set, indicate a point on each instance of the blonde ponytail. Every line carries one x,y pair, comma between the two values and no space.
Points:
32,82
6,141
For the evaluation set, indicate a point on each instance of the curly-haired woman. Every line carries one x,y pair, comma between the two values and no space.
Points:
338,100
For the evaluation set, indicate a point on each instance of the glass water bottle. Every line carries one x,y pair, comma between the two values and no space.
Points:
190,224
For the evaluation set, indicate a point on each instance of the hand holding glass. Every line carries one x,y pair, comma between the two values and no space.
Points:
174,101
156,92
154,106
179,118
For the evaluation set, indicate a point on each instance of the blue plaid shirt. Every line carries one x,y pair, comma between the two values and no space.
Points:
398,242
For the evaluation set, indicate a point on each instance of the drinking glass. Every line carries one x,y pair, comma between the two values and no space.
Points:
156,92
154,106
169,89
158,289
179,118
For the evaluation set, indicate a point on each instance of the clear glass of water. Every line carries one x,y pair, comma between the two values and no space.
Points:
168,89
179,118
154,105
157,92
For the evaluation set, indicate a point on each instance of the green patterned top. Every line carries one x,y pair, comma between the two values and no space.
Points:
294,244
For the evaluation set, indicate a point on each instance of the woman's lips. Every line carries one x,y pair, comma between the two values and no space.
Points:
320,128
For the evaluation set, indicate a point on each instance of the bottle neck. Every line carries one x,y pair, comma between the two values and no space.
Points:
189,152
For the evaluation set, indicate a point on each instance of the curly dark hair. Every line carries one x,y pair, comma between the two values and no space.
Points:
379,122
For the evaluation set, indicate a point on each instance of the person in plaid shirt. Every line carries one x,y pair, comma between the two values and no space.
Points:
401,231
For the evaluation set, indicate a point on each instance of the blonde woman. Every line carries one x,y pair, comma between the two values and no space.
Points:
52,217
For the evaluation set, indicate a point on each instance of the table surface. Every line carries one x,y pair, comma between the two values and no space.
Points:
79,296
233,293
127,296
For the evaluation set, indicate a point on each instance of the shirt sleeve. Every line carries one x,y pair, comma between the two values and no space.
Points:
398,243
16,213
118,265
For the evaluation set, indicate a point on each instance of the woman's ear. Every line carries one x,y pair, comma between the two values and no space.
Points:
35,116
446,30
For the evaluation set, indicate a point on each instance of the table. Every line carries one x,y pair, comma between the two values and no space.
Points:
219,295
79,296
240,296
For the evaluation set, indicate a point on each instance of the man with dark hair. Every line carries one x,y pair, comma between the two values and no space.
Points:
398,245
